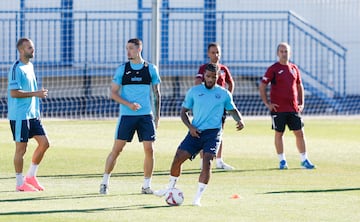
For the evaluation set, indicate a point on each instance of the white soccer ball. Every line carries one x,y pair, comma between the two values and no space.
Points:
174,197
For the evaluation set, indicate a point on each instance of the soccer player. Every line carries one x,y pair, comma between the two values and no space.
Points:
207,102
132,86
286,103
225,80
24,116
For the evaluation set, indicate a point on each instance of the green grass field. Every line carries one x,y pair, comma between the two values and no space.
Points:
72,171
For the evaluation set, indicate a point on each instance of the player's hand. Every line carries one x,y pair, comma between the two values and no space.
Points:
135,106
43,93
194,132
301,108
272,107
240,125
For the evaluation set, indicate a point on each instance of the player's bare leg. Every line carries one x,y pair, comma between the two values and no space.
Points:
180,157
301,146
20,150
206,170
279,146
43,145
300,141
38,155
149,160
110,164
113,155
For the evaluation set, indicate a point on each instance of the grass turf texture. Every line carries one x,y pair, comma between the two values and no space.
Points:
72,171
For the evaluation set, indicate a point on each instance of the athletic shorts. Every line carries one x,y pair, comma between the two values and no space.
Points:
209,142
144,126
292,119
23,130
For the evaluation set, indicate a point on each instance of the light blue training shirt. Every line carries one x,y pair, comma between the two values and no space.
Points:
22,77
138,93
208,105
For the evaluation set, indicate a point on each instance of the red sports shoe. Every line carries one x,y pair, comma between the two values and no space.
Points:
34,182
25,188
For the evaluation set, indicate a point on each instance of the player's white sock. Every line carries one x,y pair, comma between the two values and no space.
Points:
281,156
201,189
19,179
106,178
172,181
147,182
303,156
32,170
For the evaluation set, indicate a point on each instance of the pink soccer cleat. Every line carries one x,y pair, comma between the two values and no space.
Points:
34,182
25,188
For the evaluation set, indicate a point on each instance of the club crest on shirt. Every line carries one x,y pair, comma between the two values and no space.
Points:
217,96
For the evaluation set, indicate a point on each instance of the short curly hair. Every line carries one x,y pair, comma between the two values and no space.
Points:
212,67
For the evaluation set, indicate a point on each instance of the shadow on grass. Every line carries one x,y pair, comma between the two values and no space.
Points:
140,173
57,197
314,191
90,210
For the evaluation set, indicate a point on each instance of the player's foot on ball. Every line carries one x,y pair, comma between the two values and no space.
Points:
147,190
104,189
25,188
224,166
283,165
34,182
307,164
161,193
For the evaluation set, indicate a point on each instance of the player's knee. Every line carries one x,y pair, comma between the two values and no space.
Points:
46,145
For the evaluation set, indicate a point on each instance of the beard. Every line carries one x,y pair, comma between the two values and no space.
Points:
30,56
209,86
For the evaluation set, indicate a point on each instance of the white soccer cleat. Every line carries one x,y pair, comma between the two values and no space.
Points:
224,166
147,190
104,189
161,193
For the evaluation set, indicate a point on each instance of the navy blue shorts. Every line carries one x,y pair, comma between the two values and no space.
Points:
144,126
23,130
292,119
209,142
